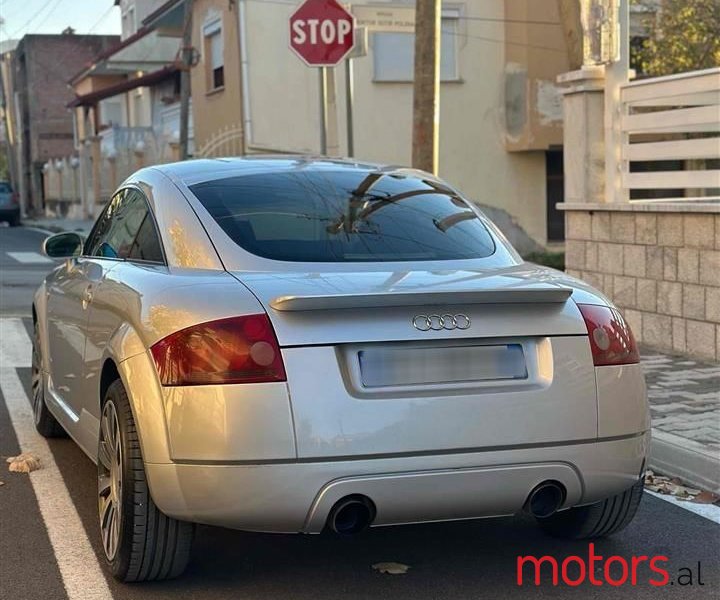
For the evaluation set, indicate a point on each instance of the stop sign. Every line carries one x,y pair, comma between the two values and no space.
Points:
322,32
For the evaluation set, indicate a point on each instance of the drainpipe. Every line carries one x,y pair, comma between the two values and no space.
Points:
244,65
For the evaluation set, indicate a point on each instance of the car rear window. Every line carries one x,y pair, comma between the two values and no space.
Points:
5,188
345,216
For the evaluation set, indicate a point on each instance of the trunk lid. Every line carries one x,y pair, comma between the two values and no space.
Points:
512,367
380,306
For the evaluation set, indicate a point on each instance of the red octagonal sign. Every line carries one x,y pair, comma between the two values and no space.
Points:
322,32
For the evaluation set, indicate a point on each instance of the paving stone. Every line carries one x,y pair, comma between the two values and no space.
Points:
684,397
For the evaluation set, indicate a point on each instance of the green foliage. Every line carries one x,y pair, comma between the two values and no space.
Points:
4,173
683,36
555,260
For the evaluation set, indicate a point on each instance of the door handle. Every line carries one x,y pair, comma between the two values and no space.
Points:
87,296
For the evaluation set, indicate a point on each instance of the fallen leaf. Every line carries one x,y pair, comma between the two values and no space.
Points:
391,568
24,463
706,498
672,487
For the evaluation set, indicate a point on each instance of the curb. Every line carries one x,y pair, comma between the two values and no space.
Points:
676,456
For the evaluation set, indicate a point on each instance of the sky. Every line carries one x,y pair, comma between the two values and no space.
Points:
52,16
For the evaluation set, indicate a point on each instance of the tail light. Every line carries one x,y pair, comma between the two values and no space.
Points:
234,350
611,340
14,198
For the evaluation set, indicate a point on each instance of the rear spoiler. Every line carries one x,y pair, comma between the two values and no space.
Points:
528,295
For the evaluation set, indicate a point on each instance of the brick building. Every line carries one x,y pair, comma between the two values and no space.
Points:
41,66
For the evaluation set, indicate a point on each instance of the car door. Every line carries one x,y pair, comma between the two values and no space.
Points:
69,295
133,237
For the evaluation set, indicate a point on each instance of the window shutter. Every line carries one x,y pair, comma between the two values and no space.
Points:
216,51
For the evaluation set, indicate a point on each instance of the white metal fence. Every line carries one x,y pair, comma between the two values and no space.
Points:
670,138
228,141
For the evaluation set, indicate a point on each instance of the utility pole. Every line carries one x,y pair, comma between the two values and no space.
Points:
426,90
187,52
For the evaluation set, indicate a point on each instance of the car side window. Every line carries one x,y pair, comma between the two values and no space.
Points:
126,230
101,229
147,242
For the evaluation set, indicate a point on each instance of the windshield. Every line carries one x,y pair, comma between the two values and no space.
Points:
345,216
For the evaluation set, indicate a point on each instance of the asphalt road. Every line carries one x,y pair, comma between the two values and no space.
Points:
464,560
22,271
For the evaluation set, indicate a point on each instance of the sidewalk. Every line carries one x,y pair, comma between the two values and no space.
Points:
81,226
684,397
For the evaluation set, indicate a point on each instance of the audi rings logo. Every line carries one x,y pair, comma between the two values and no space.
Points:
440,322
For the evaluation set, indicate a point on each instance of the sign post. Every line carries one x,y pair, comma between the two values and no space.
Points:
349,103
322,71
322,33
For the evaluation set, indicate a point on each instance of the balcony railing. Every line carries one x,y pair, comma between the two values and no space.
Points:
116,139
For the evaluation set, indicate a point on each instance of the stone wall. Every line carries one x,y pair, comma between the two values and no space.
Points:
659,262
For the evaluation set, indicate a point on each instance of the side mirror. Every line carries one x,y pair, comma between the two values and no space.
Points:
63,245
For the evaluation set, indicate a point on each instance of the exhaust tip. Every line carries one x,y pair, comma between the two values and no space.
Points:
545,500
351,515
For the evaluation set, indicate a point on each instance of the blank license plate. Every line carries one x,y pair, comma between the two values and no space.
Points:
381,367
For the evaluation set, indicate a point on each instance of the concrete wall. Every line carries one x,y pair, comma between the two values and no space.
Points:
535,54
216,109
660,263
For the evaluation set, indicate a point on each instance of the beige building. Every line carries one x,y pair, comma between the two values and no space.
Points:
501,114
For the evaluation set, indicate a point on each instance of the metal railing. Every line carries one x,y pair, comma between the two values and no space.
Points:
670,138
226,142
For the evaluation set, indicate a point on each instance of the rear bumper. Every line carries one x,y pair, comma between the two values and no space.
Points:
296,496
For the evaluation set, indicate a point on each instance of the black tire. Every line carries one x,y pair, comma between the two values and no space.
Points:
45,423
595,520
14,221
151,546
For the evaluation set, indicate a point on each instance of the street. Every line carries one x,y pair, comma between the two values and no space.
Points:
43,540
22,268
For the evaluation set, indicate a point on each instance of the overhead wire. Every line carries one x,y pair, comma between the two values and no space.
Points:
31,19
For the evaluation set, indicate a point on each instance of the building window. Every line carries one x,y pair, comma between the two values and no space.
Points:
111,112
393,53
214,53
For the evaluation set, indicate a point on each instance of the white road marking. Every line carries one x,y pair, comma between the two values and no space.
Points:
81,573
15,346
47,232
709,511
29,257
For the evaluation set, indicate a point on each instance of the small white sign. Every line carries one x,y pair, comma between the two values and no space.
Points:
398,19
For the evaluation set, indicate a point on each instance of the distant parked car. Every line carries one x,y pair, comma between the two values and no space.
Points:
9,207
298,344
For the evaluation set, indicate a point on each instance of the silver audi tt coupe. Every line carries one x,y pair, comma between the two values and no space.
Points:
303,344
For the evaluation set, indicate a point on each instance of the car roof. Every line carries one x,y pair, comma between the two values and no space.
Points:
201,170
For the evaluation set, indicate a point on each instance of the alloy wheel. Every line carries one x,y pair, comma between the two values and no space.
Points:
36,379
110,479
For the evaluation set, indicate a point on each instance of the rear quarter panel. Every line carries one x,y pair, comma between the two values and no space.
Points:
136,306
